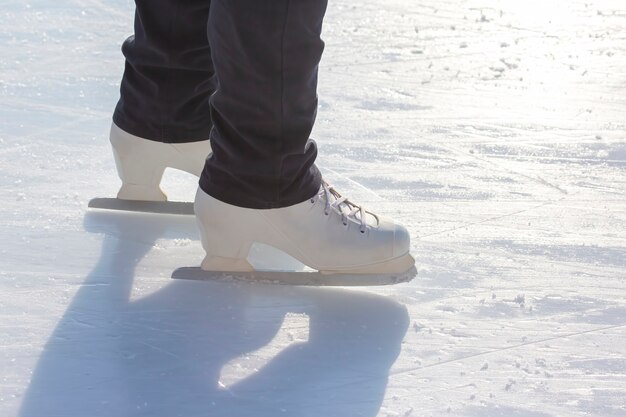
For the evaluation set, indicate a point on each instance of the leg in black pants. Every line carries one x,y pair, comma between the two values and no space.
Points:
266,55
168,76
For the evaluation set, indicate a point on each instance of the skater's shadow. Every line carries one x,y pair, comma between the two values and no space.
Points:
117,353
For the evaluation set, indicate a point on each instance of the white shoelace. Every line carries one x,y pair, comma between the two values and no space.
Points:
343,206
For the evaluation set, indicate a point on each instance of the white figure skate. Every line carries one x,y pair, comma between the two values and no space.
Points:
141,163
327,233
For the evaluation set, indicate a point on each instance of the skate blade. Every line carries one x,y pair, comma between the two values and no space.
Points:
157,207
295,277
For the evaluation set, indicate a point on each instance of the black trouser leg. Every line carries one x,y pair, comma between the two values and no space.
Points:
266,54
168,76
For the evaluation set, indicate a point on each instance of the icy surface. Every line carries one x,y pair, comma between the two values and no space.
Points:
495,130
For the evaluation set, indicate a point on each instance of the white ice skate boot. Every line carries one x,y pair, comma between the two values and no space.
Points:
327,233
141,163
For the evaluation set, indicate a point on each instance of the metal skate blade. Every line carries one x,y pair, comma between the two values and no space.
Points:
294,277
158,207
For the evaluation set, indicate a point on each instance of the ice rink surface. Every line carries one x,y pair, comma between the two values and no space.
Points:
494,130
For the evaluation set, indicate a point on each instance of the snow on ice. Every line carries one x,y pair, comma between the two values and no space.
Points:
495,130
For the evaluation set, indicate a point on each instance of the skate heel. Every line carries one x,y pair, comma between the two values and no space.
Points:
225,238
141,192
139,166
220,263
190,156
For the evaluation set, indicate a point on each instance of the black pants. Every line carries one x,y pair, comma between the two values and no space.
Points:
242,72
